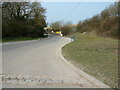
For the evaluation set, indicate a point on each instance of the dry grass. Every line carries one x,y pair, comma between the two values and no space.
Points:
97,56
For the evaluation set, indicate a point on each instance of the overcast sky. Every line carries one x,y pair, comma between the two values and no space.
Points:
72,11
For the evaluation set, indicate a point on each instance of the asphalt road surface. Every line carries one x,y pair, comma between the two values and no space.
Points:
39,64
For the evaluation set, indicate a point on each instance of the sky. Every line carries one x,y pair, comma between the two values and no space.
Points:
72,11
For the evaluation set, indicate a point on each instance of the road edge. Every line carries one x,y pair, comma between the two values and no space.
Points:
91,79
24,41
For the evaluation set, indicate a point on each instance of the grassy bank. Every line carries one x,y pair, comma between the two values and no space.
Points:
96,56
18,39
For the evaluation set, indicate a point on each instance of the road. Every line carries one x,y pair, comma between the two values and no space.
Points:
39,64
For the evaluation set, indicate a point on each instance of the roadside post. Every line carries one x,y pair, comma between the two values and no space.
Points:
72,38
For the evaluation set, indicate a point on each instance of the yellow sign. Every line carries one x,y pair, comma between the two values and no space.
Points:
58,32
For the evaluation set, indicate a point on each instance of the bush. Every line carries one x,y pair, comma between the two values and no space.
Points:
66,29
104,24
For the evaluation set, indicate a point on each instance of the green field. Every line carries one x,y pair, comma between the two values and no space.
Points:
97,56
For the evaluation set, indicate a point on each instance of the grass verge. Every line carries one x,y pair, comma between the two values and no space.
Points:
18,39
96,56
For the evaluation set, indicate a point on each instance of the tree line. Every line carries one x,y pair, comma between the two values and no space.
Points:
66,28
103,24
23,19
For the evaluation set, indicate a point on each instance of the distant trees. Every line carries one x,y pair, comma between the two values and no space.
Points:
22,19
56,25
105,24
66,28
